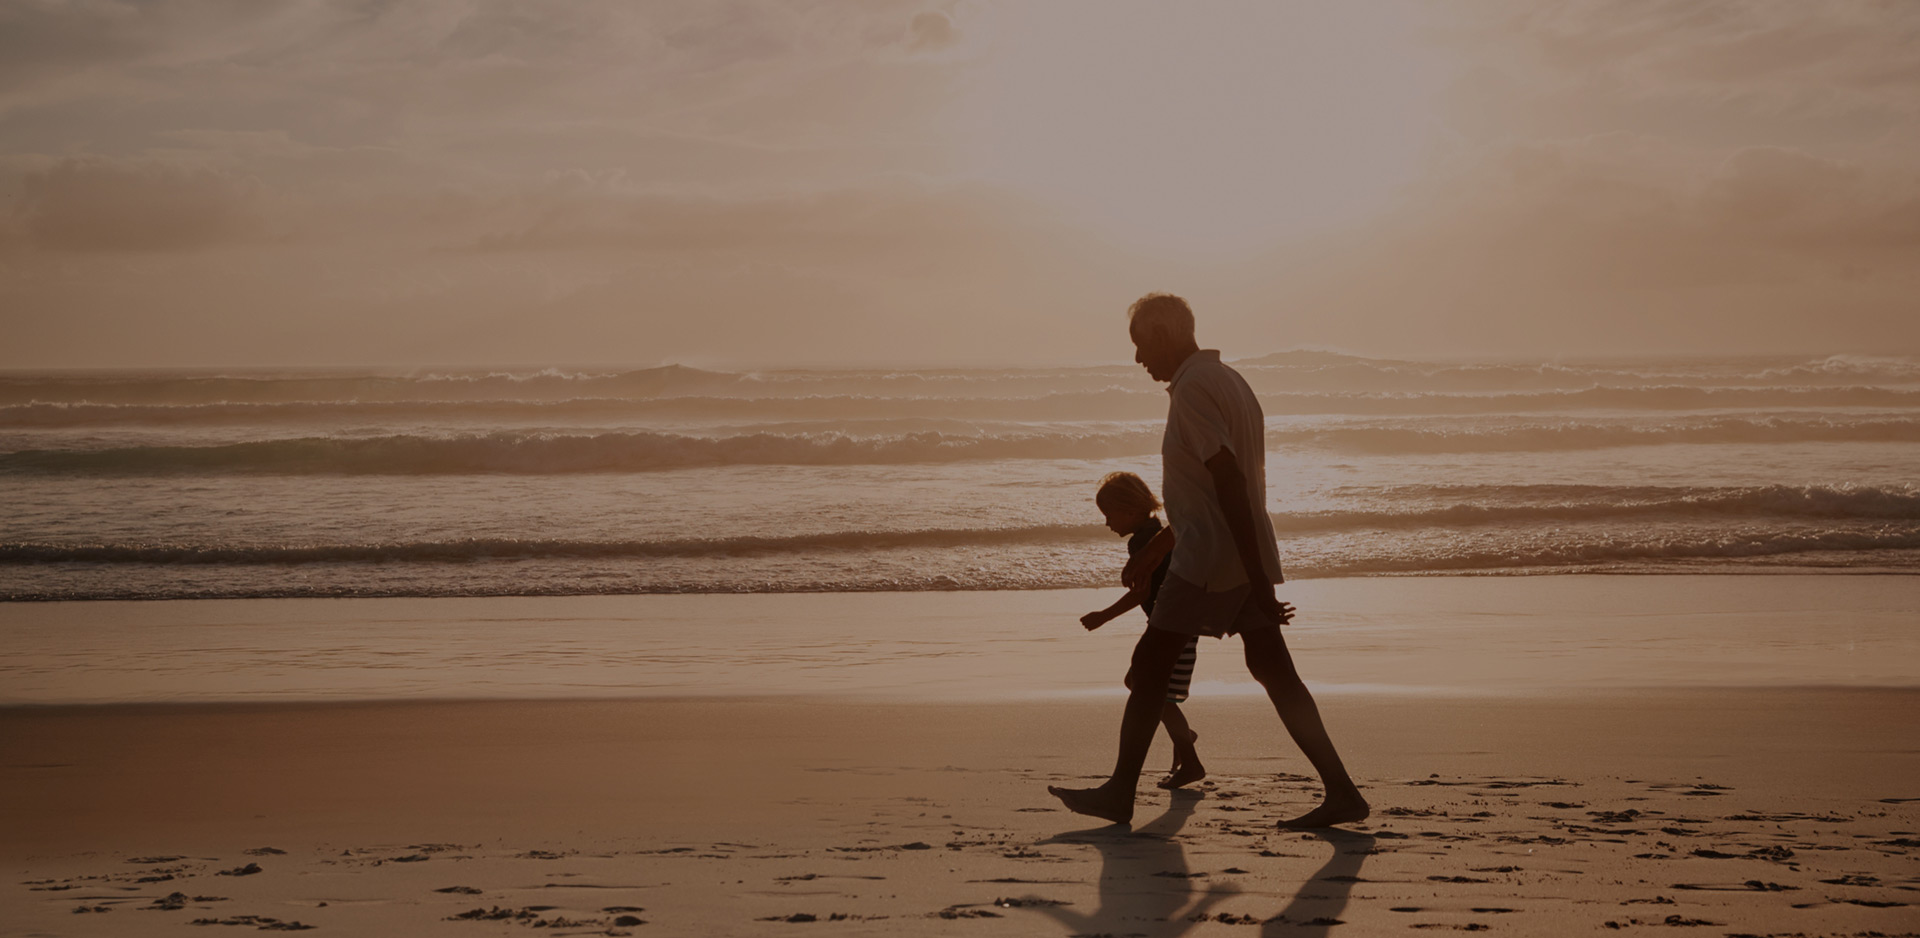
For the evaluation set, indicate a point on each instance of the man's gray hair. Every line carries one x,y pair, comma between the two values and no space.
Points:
1161,312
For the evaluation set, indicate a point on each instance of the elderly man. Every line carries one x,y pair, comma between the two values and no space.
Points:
1225,564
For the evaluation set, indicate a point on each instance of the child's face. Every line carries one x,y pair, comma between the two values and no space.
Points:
1124,519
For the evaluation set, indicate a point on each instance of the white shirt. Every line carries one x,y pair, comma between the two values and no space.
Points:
1211,407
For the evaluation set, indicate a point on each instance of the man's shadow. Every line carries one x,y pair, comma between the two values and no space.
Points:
1316,907
1146,889
1145,886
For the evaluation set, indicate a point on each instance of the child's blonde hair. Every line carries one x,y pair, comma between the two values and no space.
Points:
1125,488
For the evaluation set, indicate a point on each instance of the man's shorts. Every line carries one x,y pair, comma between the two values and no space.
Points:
1190,610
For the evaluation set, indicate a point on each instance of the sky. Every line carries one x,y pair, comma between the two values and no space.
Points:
194,183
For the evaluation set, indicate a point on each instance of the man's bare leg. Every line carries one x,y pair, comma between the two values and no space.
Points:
1153,659
1272,665
1186,759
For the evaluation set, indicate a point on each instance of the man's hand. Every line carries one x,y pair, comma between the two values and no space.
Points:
1270,605
1140,566
1094,620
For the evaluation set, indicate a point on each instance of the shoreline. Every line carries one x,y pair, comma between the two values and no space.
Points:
1473,573
1436,636
1235,694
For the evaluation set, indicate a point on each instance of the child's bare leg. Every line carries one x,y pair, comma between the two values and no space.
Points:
1173,736
1186,759
1178,731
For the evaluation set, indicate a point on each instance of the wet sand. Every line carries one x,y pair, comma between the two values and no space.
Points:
1733,811
1431,635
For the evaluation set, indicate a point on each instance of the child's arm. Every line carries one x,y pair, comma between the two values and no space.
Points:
1094,620
1140,566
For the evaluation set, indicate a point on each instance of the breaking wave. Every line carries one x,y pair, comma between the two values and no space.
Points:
1885,507
547,453
552,453
1530,505
1295,371
1112,403
515,549
1891,549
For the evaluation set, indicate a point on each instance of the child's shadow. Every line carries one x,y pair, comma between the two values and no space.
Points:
1145,888
1316,908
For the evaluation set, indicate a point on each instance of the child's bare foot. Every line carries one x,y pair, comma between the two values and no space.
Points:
1103,802
1345,808
1186,773
1186,763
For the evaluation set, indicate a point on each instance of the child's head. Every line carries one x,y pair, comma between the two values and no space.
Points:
1126,501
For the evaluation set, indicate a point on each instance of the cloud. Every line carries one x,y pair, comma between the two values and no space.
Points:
92,205
1719,72
1616,190
43,37
577,212
578,267
931,31
437,74
1798,200
1618,244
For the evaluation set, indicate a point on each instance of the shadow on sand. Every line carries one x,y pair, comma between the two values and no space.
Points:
1147,889
1316,907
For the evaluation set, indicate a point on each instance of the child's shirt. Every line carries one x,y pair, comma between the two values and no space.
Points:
1138,543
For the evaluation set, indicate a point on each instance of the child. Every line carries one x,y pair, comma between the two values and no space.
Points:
1129,506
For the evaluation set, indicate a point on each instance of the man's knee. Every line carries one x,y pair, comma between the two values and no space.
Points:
1153,660
1275,677
1273,667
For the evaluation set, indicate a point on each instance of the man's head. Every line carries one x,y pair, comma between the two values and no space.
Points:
1161,325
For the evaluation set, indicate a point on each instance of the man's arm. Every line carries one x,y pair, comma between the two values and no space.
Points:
1230,486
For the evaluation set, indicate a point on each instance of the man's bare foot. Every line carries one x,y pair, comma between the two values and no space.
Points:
1345,809
1101,802
1186,773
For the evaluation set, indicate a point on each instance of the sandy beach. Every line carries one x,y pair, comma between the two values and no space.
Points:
1502,801
1738,811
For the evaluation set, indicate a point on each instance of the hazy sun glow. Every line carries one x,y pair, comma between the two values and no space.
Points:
1205,128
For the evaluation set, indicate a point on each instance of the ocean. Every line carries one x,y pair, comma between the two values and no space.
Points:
541,482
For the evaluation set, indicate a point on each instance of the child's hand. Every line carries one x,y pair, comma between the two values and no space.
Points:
1093,620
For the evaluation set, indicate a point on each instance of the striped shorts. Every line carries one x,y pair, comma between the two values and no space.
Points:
1182,680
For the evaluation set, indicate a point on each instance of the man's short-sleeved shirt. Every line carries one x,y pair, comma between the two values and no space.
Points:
1211,407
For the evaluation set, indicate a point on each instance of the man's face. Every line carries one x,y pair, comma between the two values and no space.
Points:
1155,349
